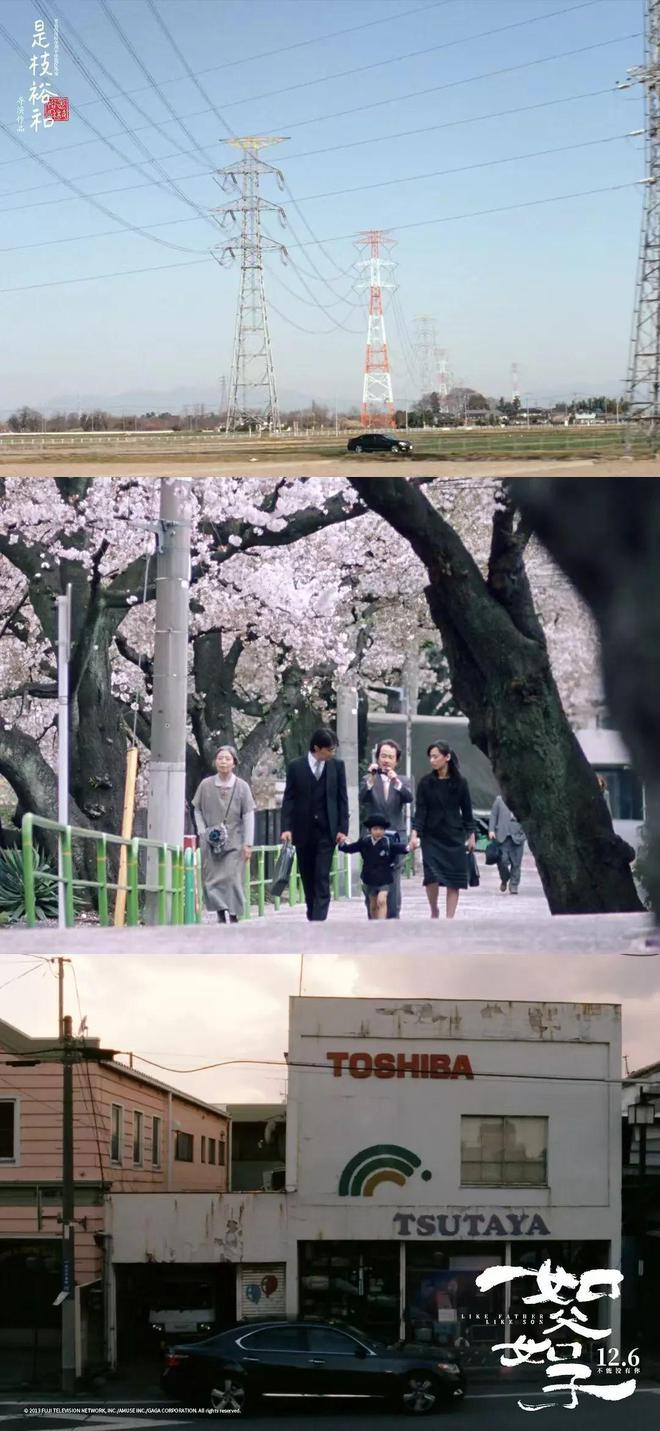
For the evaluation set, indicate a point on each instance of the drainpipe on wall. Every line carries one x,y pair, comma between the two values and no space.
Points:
170,1143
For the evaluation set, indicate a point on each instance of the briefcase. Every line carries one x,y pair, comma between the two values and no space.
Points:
282,871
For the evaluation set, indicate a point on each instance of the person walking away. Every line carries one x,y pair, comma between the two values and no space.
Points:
510,837
383,792
223,810
443,825
379,851
315,817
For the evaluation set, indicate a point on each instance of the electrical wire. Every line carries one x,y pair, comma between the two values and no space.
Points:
69,183
89,1081
223,122
342,238
327,1068
410,54
358,189
470,79
169,183
301,44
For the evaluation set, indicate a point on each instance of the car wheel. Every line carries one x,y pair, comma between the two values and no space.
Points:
419,1395
358,447
229,1395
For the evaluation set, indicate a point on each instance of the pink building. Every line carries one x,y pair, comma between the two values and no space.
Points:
132,1134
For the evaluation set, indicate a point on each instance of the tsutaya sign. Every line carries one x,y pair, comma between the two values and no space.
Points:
397,1065
470,1224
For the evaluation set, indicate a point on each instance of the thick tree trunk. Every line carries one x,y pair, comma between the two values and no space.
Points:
34,783
98,738
605,535
501,679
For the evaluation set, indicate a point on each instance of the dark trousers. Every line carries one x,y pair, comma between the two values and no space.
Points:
314,861
393,892
510,861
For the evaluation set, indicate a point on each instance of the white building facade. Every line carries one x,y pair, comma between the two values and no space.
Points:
426,1141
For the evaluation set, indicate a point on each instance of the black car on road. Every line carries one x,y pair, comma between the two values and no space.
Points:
378,442
233,1370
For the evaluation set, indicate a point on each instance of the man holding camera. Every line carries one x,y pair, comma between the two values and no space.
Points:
385,793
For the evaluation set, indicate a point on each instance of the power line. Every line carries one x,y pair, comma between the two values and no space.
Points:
69,183
411,54
470,79
327,1068
334,193
321,118
343,238
169,184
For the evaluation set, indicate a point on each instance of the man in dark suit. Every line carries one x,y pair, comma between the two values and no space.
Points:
315,817
385,793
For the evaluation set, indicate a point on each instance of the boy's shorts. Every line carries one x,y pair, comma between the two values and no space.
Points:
373,889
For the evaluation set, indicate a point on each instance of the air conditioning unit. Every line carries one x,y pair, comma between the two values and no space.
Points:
273,1181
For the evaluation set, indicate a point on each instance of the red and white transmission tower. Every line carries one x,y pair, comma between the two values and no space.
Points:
377,399
515,382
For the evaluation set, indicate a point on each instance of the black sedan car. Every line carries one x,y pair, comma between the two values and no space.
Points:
378,442
232,1371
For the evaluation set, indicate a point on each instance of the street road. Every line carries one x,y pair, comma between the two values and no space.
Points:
496,1410
125,465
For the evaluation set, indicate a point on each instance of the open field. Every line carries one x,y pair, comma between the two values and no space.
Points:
608,449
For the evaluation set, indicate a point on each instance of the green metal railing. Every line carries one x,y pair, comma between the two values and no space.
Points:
255,881
177,889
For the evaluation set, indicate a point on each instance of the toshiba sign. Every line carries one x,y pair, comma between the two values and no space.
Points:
398,1065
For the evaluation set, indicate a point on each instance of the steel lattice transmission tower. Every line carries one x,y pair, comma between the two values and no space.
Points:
444,377
252,395
426,349
377,399
643,385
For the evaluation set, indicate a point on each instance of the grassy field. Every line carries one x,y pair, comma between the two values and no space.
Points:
457,444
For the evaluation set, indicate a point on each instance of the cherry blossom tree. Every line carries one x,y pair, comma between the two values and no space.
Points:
295,585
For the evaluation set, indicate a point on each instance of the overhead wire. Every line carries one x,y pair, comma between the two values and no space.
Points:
378,184
341,238
169,183
223,122
409,54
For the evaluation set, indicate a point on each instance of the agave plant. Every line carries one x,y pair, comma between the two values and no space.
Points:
12,887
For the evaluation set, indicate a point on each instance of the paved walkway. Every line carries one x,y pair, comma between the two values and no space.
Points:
487,923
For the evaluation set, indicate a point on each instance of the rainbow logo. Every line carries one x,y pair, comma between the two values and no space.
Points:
381,1163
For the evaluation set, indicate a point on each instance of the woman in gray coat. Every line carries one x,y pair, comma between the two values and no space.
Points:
223,805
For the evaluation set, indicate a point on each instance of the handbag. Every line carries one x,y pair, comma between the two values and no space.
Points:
218,835
493,852
474,878
282,871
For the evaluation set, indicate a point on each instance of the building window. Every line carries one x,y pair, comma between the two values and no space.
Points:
504,1152
8,1130
221,1152
211,1150
183,1147
116,1126
203,1149
155,1142
138,1125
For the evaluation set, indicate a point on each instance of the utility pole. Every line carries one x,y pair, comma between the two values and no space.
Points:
377,399
347,737
252,388
167,767
643,386
63,656
68,1216
73,1051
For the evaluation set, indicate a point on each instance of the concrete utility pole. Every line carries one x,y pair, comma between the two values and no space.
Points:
68,1214
167,768
347,736
411,699
63,657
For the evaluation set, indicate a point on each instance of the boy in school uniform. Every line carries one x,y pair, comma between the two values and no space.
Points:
379,853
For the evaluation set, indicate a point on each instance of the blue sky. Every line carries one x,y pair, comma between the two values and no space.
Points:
549,286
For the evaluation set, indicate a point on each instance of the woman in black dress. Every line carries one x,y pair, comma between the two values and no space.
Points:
443,825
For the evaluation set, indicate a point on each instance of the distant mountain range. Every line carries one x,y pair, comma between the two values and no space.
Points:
174,400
